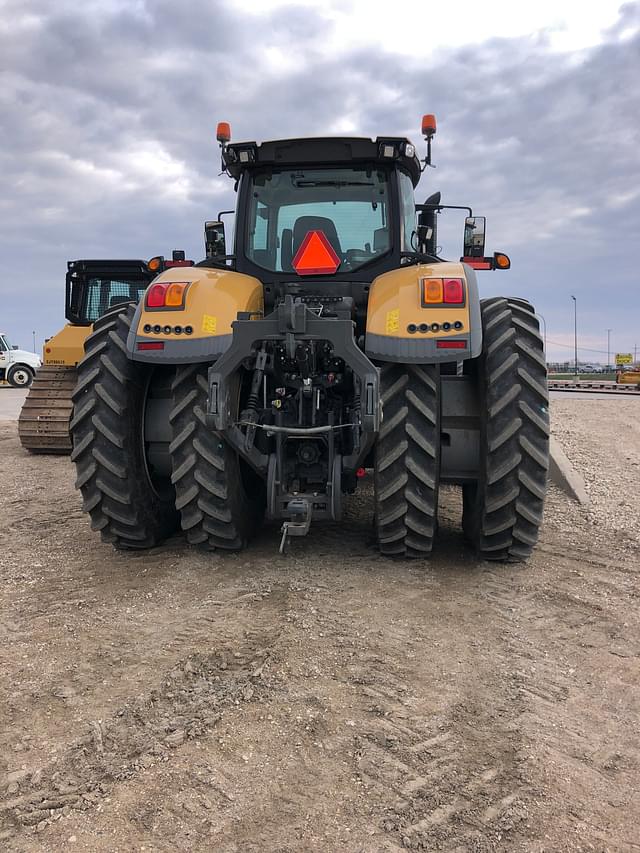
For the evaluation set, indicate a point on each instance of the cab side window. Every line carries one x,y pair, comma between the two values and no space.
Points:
407,213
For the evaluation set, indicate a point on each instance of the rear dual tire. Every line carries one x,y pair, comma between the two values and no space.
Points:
133,501
407,460
502,512
131,504
221,502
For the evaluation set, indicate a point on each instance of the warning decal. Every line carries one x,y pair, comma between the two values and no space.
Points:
209,324
393,321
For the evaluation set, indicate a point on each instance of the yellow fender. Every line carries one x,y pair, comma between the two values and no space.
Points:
200,330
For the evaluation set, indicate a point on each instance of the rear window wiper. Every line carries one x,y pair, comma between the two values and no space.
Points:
310,183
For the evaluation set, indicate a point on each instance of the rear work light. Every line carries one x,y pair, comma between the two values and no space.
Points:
442,291
167,296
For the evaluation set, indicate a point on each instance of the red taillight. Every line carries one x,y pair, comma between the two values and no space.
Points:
453,291
155,295
451,344
167,295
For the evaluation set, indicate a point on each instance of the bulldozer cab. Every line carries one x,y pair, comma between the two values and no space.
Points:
94,286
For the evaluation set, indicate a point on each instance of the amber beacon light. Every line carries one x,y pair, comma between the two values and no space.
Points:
428,125
223,132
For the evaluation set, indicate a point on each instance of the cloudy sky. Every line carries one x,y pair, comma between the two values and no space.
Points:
109,109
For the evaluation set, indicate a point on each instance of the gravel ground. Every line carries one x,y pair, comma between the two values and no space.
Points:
603,443
11,400
331,700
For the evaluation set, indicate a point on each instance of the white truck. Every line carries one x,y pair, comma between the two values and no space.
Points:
17,366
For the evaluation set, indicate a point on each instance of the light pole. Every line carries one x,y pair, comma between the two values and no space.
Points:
575,332
609,347
34,341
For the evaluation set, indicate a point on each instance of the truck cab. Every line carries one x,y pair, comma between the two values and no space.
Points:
17,366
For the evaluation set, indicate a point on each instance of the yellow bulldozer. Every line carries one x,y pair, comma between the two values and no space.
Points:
92,287
332,340
628,376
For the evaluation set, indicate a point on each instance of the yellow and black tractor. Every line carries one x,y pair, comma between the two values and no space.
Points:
92,287
332,340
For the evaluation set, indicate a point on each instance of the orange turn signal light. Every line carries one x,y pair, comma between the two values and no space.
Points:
174,297
155,264
223,131
428,125
502,261
432,290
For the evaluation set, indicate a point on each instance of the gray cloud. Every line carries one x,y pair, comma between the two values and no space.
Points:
107,142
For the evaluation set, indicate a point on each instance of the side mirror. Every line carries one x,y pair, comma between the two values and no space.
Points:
474,236
214,239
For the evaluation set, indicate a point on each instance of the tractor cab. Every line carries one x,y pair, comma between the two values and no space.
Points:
321,218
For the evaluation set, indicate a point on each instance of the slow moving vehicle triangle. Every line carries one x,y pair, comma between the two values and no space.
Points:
316,255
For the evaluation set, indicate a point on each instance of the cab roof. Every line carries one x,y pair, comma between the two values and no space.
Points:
320,151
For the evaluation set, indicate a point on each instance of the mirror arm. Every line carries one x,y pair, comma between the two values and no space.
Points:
439,207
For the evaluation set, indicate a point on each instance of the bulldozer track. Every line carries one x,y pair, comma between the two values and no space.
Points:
43,425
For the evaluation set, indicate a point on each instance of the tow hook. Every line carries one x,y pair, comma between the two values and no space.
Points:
299,524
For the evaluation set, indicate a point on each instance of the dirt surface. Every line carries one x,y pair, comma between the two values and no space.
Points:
328,701
603,444
11,400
